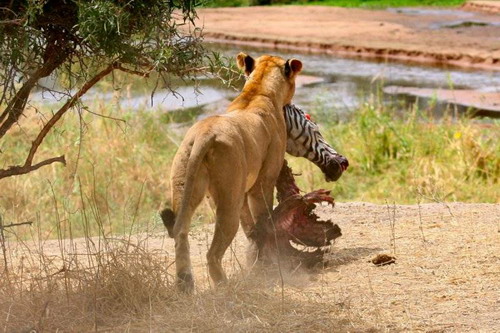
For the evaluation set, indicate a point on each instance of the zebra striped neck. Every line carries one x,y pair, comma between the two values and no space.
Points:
305,140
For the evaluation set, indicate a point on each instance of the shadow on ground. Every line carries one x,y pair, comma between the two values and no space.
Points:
341,257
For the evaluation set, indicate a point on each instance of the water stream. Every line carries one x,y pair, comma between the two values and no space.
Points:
340,86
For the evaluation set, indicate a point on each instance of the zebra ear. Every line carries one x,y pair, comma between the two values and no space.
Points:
245,63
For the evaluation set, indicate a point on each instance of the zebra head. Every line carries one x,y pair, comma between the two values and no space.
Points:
305,140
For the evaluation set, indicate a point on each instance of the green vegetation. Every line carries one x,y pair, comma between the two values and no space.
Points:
382,3
82,42
373,4
411,159
227,3
466,24
116,176
117,173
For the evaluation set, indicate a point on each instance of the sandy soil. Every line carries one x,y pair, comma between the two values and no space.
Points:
472,98
398,35
446,277
491,7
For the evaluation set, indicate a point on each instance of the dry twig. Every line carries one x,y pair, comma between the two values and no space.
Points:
28,165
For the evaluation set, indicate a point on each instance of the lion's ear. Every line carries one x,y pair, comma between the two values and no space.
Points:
293,66
245,63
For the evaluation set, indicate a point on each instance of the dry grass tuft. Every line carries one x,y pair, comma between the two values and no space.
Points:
445,279
90,283
126,284
248,305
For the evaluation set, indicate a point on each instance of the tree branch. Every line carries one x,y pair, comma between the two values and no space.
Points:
16,224
15,108
131,71
69,104
21,170
17,22
28,166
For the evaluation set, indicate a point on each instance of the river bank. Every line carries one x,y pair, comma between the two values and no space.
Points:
432,36
452,39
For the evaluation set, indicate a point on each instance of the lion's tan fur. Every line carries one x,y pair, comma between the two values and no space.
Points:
236,157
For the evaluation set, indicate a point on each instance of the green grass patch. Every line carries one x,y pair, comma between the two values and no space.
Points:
376,4
117,176
226,3
410,159
371,4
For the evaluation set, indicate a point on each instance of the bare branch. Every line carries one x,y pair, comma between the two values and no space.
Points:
28,166
70,103
17,22
16,106
16,224
131,71
195,70
105,116
21,170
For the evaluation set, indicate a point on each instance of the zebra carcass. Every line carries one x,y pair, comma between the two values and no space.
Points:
294,230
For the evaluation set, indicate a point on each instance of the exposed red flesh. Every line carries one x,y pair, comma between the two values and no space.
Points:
295,220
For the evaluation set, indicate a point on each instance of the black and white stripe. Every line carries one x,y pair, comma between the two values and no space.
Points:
304,138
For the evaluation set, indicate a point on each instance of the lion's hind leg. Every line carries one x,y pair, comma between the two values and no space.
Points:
227,223
180,230
228,193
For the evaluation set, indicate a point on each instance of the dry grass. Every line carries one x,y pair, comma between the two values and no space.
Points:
81,284
61,276
125,284
119,171
446,279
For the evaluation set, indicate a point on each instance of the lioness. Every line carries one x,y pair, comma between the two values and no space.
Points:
237,157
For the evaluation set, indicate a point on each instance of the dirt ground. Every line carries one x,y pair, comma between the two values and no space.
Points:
428,36
490,7
425,35
473,98
446,277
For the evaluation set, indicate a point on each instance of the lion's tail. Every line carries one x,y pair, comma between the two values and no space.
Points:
176,223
